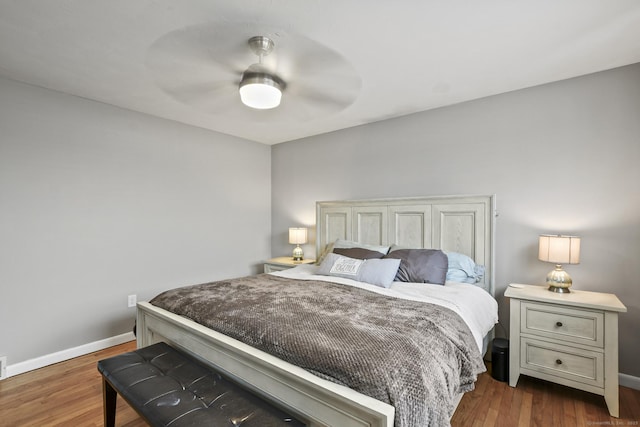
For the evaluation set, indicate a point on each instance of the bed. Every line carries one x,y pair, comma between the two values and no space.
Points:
456,224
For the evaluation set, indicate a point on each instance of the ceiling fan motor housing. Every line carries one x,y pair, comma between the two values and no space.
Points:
261,46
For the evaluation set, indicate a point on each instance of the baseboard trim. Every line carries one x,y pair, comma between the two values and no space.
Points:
70,353
629,381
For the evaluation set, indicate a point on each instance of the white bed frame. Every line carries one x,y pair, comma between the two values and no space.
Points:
462,224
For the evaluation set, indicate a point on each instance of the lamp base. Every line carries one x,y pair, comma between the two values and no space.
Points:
297,253
559,280
559,289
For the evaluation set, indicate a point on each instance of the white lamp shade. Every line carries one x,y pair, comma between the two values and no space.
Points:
298,236
559,249
260,95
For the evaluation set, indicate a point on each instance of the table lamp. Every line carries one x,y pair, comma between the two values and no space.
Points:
559,250
297,236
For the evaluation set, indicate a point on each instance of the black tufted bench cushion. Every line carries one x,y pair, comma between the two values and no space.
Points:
169,388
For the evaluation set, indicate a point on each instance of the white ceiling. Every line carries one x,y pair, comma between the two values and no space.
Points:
182,60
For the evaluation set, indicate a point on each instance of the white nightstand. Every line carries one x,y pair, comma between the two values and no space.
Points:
283,263
569,339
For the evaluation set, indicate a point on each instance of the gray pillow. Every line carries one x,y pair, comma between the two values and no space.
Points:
358,253
421,265
379,272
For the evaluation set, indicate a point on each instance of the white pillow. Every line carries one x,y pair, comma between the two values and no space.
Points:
379,272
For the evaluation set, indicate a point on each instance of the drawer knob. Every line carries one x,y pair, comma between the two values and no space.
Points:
558,362
559,324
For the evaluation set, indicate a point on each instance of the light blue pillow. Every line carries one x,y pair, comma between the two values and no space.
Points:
379,272
463,269
459,276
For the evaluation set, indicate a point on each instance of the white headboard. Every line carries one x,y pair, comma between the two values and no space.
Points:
463,224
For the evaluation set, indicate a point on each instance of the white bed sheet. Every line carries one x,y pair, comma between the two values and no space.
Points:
474,305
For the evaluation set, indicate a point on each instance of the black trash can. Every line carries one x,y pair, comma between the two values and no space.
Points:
500,359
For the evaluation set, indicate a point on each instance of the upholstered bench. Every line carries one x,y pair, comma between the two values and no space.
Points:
169,388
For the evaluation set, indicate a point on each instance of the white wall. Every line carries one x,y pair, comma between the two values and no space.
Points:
562,157
97,203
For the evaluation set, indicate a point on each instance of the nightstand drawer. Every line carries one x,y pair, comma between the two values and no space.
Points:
563,323
583,366
284,263
270,268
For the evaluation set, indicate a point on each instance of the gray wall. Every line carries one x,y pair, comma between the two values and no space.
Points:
561,158
97,203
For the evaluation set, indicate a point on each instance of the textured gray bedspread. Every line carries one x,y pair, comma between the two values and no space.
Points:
412,355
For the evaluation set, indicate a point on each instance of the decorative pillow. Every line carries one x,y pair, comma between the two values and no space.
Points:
358,253
421,265
463,269
379,272
350,244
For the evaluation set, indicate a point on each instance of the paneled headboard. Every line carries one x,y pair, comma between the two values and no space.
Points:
462,224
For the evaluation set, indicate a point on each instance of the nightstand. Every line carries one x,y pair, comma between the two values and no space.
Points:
569,339
283,263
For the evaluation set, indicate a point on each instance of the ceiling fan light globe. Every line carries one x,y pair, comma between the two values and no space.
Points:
260,92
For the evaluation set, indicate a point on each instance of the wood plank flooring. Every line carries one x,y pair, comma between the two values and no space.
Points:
64,394
70,394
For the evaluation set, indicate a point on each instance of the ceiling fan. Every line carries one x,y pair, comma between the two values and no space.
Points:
212,67
259,88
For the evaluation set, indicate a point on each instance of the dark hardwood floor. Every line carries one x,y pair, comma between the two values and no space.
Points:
70,394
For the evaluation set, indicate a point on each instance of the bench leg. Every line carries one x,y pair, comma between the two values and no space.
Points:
109,396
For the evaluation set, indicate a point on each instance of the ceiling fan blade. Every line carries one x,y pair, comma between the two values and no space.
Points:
197,93
337,100
342,86
219,102
325,62
199,46
322,95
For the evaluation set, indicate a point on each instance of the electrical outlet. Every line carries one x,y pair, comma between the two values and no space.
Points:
131,301
3,367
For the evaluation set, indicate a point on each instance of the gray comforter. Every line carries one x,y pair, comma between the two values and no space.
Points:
412,355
